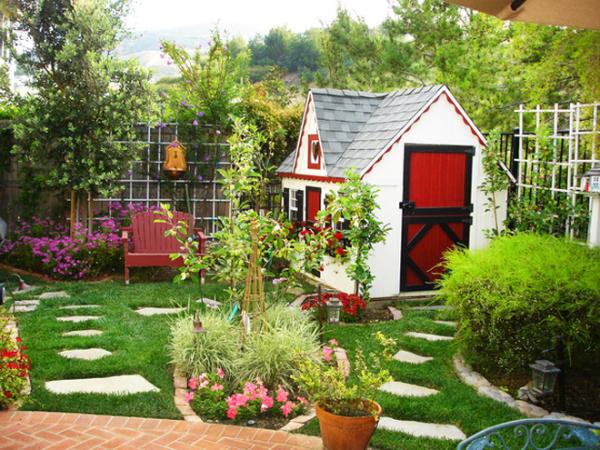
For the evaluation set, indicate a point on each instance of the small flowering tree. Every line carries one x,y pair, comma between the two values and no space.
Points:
355,202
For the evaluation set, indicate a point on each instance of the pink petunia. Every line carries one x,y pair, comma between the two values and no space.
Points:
302,400
189,396
282,395
327,353
232,412
333,342
220,373
216,387
267,402
193,383
287,408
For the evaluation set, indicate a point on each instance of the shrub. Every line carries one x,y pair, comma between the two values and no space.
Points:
271,355
194,353
515,295
353,305
14,367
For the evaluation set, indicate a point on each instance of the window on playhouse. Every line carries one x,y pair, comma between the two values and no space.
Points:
296,205
314,152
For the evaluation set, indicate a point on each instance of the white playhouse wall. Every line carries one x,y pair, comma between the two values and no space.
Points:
440,125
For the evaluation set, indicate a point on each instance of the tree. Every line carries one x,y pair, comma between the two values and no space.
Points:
84,98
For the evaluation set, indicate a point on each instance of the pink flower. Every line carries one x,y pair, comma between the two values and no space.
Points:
189,396
287,408
232,412
193,383
327,353
282,395
333,342
216,387
302,400
220,373
267,402
237,400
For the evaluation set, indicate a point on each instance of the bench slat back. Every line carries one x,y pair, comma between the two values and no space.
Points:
149,237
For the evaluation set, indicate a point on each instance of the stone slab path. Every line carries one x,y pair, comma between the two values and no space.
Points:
89,354
210,303
77,319
83,333
448,323
21,306
429,337
41,430
57,294
407,390
422,429
79,306
117,385
431,308
151,311
411,358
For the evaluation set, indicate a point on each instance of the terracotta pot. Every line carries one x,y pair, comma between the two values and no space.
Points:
345,432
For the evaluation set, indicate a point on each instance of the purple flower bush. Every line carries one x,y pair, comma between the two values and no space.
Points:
45,246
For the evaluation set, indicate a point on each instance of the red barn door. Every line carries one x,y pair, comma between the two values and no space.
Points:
313,203
436,210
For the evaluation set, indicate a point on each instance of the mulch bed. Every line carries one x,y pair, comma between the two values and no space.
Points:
583,392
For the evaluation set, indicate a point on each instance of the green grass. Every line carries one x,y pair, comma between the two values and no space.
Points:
456,403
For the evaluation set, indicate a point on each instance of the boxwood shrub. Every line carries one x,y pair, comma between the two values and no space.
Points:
513,297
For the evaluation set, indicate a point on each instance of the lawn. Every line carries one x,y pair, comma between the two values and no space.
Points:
138,345
456,403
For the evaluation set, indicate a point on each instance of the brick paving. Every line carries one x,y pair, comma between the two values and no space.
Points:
40,430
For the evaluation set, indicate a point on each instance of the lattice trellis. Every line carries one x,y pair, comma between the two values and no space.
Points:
573,138
146,183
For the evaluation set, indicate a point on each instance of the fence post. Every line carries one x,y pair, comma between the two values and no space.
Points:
514,149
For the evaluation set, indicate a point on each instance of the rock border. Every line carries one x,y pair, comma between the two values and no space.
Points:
13,328
483,387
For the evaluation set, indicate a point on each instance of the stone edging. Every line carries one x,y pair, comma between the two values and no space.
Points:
189,415
478,382
12,327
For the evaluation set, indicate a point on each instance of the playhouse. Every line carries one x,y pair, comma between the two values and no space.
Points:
423,153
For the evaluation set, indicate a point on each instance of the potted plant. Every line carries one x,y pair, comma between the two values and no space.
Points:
347,413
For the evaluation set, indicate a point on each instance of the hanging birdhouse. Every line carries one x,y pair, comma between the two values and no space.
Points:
175,164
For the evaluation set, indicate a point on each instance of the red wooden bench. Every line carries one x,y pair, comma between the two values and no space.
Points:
151,248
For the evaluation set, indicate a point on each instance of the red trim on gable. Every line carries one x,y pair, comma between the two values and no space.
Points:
300,176
416,120
313,165
308,101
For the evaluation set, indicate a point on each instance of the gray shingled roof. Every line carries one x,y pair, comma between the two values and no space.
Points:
356,126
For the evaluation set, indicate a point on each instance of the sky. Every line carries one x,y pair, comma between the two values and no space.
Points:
247,17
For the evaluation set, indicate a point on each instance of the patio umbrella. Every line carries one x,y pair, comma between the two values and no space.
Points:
571,13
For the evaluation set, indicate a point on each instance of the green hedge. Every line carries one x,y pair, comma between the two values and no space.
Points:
514,296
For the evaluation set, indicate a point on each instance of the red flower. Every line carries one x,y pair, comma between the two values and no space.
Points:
340,251
7,394
338,235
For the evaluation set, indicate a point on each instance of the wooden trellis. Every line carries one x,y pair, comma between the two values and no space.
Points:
254,295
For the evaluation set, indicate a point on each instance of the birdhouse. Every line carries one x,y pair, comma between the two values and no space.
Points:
175,164
593,183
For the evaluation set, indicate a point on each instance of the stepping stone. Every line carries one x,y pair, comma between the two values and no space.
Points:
79,306
429,337
88,354
76,319
411,358
83,333
422,429
214,304
157,311
25,305
117,385
396,313
407,390
57,294
446,322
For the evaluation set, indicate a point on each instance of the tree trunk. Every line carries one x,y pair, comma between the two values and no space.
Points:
72,215
90,216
